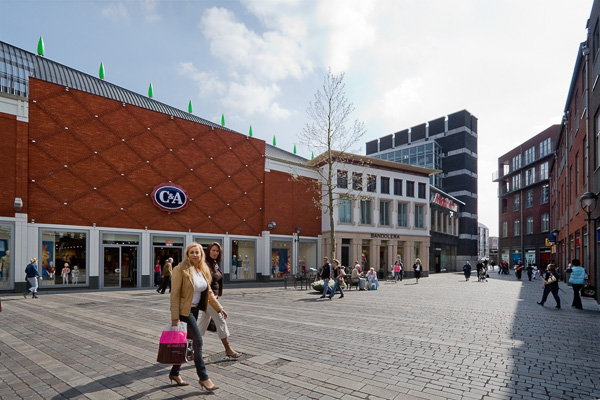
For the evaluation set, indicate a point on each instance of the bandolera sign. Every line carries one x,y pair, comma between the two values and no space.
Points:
385,235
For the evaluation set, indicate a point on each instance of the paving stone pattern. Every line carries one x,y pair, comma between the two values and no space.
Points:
441,339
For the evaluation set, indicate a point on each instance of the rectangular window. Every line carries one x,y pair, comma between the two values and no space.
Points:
398,187
385,185
410,189
516,182
371,183
342,179
516,227
529,225
529,155
357,181
345,210
504,229
365,212
517,203
64,259
545,147
516,162
402,215
422,191
384,212
545,194
545,222
530,176
544,171
419,216
529,199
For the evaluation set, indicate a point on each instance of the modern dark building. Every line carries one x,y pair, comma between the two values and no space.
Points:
448,143
523,177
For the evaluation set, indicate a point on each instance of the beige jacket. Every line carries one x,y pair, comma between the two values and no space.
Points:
167,269
182,293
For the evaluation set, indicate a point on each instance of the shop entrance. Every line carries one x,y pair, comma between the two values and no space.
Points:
120,266
383,260
162,253
346,252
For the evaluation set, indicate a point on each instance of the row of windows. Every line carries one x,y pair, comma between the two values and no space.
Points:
531,177
544,227
345,207
357,184
545,147
529,199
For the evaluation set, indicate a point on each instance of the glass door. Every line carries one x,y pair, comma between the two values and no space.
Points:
128,266
112,270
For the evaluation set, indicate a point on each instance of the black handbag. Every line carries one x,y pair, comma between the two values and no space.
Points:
212,327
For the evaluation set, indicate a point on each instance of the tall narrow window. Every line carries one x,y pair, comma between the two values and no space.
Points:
544,171
422,191
545,222
345,210
384,212
529,225
410,189
517,203
505,229
545,194
516,227
357,181
402,215
365,212
342,179
419,216
529,199
385,185
371,183
398,187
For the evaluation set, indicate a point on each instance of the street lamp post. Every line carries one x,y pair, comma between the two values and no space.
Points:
588,204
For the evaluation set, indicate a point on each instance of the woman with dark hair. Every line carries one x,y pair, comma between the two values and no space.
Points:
550,285
215,255
190,294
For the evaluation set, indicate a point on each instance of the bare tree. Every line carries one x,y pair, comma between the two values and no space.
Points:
331,133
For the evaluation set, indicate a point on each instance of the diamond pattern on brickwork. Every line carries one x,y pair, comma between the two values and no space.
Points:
115,155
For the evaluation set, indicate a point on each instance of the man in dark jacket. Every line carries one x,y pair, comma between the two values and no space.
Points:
325,275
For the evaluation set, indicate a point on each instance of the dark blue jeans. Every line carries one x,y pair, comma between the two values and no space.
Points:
193,333
576,296
337,286
554,290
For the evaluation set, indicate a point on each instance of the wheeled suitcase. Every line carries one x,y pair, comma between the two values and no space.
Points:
362,284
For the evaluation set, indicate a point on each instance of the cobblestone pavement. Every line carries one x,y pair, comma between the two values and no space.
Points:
441,339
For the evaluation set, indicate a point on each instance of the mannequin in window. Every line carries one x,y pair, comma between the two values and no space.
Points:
246,267
234,266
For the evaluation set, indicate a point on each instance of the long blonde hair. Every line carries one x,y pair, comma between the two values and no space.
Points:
186,265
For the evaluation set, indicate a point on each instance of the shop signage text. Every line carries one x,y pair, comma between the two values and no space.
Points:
444,202
385,235
170,197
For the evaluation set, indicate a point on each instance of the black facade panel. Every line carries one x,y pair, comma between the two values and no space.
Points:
386,142
471,143
454,141
458,162
474,124
458,119
437,126
401,137
467,248
372,146
417,133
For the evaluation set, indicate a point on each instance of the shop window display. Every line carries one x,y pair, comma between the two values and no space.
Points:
63,258
243,259
281,258
6,269
307,257
364,262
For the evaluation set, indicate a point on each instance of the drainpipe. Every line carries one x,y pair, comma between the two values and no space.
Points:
567,191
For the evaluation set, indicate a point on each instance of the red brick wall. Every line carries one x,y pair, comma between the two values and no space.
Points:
13,163
115,155
289,203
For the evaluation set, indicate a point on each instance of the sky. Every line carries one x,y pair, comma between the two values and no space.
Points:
260,62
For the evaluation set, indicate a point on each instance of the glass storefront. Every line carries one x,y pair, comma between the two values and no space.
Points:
205,242
365,253
530,257
63,259
243,259
417,250
383,260
400,252
120,265
164,247
6,265
307,256
281,258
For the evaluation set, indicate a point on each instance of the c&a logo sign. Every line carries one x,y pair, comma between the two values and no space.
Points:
170,197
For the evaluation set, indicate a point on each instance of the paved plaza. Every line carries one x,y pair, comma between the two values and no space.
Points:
441,339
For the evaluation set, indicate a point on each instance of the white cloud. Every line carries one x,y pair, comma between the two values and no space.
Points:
251,98
116,12
269,57
208,83
150,10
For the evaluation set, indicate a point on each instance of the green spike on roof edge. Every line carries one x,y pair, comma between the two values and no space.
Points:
190,107
312,157
222,119
101,72
41,50
274,141
294,148
250,132
150,91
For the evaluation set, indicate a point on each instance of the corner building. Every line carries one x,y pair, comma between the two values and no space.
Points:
81,158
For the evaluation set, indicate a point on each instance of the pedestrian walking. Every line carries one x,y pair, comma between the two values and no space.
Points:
32,275
398,271
577,280
519,269
418,268
529,271
338,275
214,257
190,295
550,285
167,270
467,270
157,269
480,271
325,276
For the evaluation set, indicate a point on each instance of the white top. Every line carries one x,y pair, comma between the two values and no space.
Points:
200,285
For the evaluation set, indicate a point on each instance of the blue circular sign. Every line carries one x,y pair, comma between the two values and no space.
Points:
170,197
